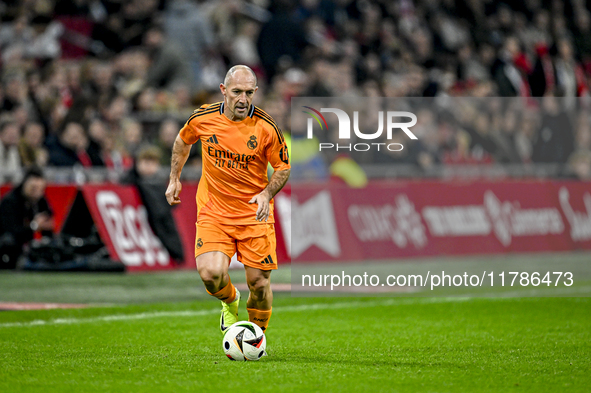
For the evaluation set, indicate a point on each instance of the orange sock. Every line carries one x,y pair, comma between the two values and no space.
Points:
227,294
260,317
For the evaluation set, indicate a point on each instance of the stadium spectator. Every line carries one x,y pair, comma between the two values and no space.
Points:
138,16
100,84
169,67
244,46
10,162
24,211
146,165
14,91
470,66
166,136
582,38
27,38
555,140
103,145
526,133
187,27
509,70
570,79
109,32
131,138
543,76
281,41
31,148
145,101
45,44
72,147
115,113
14,37
504,138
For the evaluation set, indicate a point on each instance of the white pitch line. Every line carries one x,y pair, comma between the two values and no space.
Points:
110,318
296,308
167,314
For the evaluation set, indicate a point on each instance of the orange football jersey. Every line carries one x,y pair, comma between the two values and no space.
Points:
235,159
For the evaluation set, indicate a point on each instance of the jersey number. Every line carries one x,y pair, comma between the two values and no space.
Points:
284,155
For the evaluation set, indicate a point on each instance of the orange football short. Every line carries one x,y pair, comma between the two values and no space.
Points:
254,244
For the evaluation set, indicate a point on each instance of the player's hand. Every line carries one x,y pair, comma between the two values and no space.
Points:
262,200
43,222
173,191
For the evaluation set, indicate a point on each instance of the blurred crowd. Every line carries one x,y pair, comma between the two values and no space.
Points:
96,82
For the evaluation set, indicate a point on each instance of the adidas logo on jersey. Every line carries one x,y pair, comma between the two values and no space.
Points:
212,139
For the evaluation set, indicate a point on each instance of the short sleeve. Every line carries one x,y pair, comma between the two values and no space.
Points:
190,132
277,153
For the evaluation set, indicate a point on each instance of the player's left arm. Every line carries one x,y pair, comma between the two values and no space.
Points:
276,183
276,152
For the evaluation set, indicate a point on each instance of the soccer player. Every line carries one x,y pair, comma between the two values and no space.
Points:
235,196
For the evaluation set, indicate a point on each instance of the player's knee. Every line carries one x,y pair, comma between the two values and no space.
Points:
258,286
210,277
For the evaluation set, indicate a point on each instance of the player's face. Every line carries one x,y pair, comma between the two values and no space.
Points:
238,94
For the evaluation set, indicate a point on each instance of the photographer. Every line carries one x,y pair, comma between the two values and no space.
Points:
23,212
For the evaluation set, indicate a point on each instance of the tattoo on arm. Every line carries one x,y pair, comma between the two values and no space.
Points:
180,154
277,181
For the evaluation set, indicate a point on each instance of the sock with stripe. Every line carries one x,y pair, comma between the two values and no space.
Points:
260,317
227,294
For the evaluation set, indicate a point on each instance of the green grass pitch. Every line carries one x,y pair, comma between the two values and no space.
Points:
154,340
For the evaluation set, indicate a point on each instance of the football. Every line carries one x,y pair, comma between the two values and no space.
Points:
244,341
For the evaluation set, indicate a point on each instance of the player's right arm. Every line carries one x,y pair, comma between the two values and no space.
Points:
180,154
187,136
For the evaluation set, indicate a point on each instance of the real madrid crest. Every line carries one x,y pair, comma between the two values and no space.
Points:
252,142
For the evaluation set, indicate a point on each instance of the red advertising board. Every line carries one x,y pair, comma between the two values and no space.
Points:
185,216
122,223
389,220
385,220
